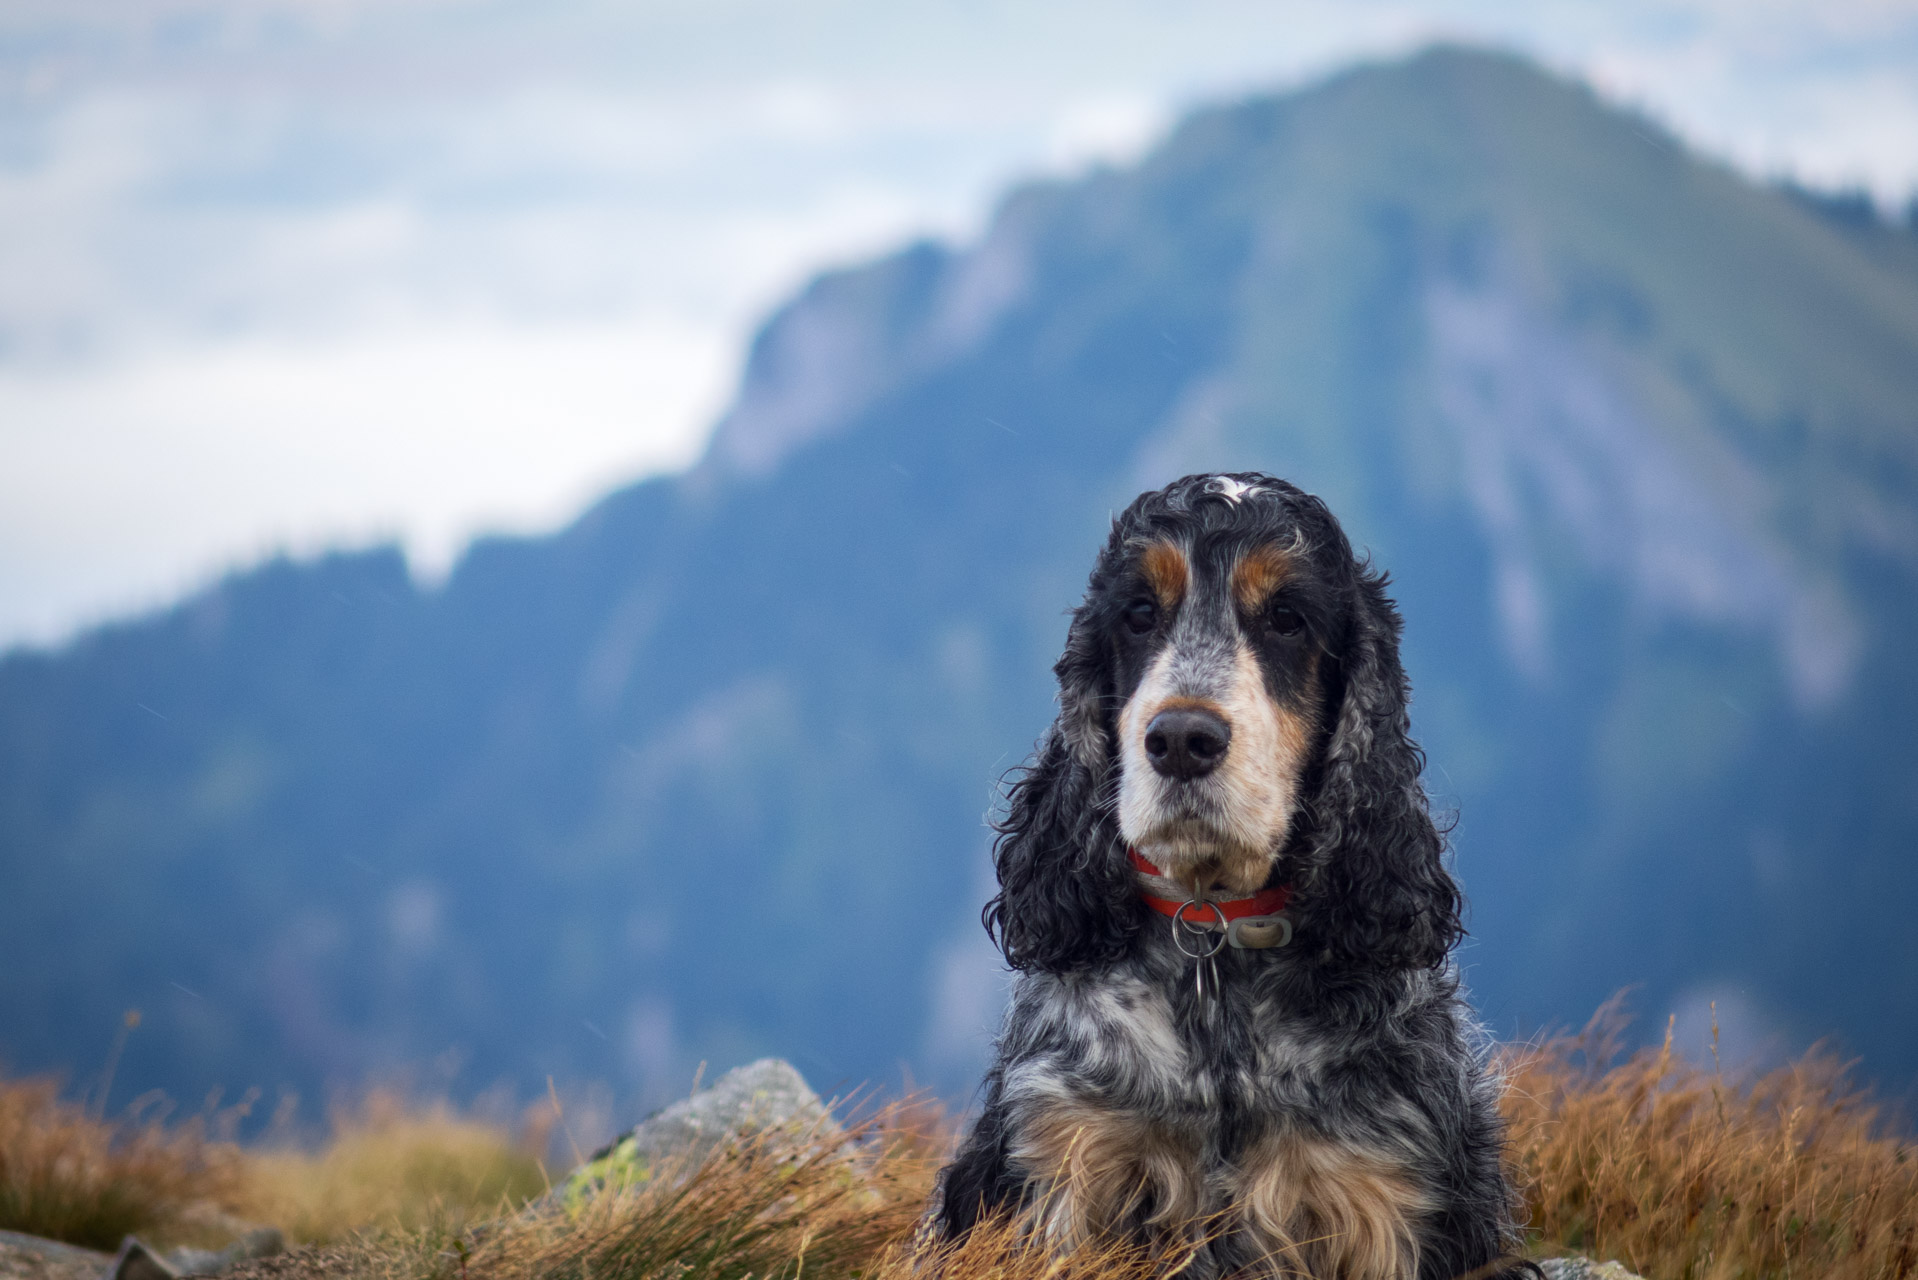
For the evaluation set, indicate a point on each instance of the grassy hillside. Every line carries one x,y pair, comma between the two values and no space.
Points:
1682,1173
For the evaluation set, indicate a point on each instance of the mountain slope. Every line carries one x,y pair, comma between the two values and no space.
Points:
703,775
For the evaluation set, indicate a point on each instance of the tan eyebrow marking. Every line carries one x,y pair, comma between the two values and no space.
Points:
1165,572
1258,574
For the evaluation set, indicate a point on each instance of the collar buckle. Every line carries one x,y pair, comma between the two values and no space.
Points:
1259,933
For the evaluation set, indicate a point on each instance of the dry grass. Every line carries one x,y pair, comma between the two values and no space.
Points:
824,1203
1668,1167
824,1206
394,1166
762,1209
68,1174
1684,1175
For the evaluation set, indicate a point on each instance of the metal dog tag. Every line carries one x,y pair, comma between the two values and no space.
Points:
1205,981
1201,942
1257,933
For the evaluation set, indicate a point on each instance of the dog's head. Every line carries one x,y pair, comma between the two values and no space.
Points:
1232,705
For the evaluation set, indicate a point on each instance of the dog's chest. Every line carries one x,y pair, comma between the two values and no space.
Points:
1133,1042
1129,1110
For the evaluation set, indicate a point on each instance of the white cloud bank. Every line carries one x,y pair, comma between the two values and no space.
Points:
283,273
124,481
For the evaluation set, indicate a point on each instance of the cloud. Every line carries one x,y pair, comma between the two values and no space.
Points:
223,337
339,252
130,480
1108,128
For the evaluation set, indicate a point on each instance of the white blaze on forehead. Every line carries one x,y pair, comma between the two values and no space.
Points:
1232,489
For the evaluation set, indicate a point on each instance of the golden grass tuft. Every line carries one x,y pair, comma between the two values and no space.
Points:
70,1175
67,1174
392,1165
1683,1175
828,1204
1002,1250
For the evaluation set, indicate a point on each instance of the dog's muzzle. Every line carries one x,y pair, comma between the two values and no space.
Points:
1184,743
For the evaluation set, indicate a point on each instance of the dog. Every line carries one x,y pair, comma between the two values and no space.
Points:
1236,1029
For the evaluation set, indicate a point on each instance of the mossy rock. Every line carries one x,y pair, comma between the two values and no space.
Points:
1585,1269
761,1098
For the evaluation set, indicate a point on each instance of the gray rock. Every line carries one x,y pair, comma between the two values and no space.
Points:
763,1098
136,1261
1585,1269
25,1257
260,1242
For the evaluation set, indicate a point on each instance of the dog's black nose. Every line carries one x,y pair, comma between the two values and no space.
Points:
1186,742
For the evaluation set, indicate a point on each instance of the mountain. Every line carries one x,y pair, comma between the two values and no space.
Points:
703,776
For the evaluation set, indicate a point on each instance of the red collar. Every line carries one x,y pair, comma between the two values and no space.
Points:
1265,902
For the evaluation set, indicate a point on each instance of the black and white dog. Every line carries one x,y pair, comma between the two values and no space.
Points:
1236,1028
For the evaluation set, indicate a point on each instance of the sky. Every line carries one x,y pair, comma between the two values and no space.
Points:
278,275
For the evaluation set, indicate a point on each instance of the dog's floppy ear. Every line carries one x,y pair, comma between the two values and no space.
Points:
1064,892
1373,891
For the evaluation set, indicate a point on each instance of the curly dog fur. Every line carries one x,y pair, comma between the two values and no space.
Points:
1232,706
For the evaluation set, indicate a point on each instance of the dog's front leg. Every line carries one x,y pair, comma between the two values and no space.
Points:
1098,1172
1324,1208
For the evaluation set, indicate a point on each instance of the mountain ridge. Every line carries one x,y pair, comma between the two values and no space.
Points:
1631,433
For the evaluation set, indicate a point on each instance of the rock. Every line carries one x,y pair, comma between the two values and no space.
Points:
260,1242
764,1097
136,1261
1585,1269
25,1257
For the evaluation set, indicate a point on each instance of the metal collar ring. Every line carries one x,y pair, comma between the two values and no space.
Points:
1182,929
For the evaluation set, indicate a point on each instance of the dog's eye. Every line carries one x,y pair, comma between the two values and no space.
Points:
1141,616
1286,622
